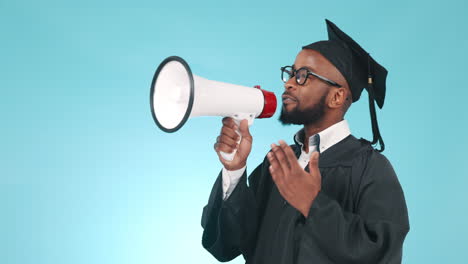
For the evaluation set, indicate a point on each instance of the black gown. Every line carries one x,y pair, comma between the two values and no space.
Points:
359,216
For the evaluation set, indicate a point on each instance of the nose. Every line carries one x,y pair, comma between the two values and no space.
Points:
290,84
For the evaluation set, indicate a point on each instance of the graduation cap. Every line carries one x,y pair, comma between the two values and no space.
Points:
360,70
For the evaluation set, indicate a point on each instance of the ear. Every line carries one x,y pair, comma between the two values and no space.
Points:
337,97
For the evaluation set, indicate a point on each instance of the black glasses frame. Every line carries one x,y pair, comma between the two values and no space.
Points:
292,72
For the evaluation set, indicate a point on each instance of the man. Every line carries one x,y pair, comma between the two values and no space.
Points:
329,198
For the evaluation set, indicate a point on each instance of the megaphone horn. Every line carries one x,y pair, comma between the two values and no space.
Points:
177,95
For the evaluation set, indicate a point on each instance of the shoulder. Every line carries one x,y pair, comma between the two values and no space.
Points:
348,153
373,165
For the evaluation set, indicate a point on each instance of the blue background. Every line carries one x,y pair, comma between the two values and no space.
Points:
86,176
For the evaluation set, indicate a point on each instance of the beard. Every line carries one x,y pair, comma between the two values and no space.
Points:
306,116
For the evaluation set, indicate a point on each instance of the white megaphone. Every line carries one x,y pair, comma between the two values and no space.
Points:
177,95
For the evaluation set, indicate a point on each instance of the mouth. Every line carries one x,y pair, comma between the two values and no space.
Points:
288,99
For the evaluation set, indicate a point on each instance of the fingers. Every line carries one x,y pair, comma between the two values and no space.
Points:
229,133
289,153
282,158
279,167
228,139
229,122
229,130
275,168
244,129
225,144
224,140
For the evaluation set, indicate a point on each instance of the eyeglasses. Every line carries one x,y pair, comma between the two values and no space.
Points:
287,72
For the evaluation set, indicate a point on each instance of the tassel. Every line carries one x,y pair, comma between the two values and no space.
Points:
377,137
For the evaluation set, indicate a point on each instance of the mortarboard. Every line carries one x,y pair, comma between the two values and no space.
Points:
360,70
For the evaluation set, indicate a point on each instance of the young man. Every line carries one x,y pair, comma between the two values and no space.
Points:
329,198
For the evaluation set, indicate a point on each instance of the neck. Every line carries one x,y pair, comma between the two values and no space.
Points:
312,129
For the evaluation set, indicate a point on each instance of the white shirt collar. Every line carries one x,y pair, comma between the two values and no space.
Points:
328,137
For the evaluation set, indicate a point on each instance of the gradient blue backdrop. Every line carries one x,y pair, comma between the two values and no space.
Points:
86,176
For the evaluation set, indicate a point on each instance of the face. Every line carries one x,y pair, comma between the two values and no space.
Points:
307,104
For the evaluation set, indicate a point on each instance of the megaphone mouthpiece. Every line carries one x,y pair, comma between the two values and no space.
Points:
270,103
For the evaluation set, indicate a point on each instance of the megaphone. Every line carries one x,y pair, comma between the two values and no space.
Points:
177,95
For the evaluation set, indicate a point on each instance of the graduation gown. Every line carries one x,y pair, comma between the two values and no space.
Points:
359,215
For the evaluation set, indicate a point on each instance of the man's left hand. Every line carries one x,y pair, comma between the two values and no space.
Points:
296,185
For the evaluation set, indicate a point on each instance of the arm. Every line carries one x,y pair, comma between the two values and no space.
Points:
230,226
230,219
373,234
230,180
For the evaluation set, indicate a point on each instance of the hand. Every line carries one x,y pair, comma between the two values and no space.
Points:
227,142
296,185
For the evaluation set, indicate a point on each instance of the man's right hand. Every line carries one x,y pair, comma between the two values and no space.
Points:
227,142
